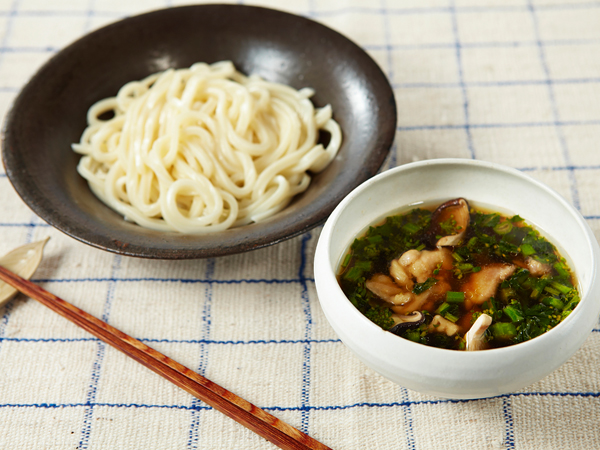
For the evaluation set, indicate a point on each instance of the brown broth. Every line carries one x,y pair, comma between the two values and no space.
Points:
535,289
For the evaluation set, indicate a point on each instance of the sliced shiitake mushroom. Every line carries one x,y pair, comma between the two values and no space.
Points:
404,322
456,210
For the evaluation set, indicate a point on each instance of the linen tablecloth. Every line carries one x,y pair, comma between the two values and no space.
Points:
515,82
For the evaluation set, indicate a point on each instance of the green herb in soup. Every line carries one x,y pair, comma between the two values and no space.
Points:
458,278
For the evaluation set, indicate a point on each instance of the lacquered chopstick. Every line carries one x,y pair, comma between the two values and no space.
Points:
261,422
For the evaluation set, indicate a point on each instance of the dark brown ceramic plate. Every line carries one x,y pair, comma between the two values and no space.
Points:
49,114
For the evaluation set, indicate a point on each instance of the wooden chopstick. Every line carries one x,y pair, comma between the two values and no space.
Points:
249,415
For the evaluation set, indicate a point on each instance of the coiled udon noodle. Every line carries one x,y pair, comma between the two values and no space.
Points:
205,148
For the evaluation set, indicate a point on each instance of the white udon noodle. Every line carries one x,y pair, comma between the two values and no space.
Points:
205,148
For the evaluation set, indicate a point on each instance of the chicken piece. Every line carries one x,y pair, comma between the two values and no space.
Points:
407,302
403,301
536,268
412,266
440,324
400,275
474,337
483,284
383,287
420,264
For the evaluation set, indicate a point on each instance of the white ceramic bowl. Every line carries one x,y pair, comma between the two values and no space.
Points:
450,373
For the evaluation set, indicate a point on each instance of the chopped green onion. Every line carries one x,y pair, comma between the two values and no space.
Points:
551,290
451,317
443,308
346,260
503,330
503,227
527,249
561,287
455,297
507,293
353,274
411,228
572,303
364,265
413,335
554,302
457,257
560,269
513,313
491,220
565,314
374,239
539,286
419,288
528,282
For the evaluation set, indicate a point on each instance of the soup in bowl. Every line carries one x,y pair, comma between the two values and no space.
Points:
448,372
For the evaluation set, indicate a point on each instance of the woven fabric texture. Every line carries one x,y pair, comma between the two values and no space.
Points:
515,82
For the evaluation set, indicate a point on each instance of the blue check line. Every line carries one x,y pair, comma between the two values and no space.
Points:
408,418
90,13
311,408
562,123
388,43
182,341
472,84
249,342
24,225
28,49
111,405
59,13
9,26
455,85
194,341
446,10
581,5
481,44
171,280
308,332
509,434
48,340
194,431
375,10
560,168
555,113
444,401
368,47
461,82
